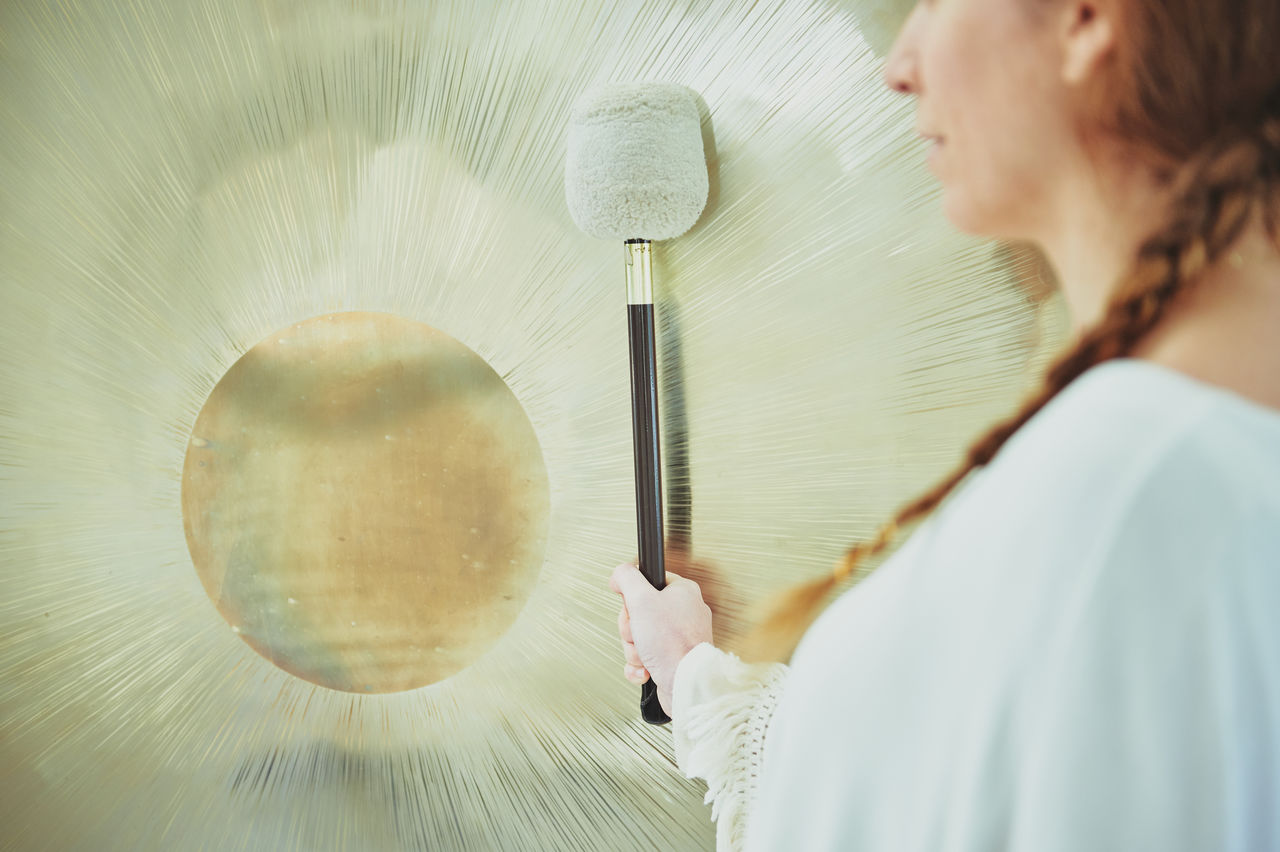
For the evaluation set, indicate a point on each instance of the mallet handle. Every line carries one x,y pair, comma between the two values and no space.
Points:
644,423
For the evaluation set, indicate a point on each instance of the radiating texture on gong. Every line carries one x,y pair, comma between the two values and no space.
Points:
365,501
179,180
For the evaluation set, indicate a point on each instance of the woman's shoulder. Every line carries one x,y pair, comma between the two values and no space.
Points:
1131,463
1128,428
1132,478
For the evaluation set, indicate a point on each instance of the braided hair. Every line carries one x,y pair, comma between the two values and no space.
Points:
1194,87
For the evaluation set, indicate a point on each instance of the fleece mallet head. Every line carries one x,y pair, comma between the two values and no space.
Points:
636,167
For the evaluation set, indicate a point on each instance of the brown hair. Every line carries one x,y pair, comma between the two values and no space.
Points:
1193,87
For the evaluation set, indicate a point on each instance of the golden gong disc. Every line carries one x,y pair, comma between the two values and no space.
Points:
365,502
211,209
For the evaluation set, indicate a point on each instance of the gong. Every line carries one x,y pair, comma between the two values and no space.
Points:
314,408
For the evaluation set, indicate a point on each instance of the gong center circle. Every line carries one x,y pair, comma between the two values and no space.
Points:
365,502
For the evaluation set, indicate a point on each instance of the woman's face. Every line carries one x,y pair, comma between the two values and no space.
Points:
987,78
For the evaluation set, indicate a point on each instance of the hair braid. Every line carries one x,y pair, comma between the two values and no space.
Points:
1237,175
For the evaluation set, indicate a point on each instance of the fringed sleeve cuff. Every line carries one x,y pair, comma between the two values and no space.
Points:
721,707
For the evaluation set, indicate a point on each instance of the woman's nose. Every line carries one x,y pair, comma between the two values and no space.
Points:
901,69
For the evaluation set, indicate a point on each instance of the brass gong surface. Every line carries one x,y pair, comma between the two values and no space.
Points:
365,501
183,181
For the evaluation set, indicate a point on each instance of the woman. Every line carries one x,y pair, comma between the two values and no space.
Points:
1080,648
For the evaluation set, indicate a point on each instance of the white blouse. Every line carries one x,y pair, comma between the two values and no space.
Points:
1078,650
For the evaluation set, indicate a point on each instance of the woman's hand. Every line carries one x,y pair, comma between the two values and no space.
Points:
658,627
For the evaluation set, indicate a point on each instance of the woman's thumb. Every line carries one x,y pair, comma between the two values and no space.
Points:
627,581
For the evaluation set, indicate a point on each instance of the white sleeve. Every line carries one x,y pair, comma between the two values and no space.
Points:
721,707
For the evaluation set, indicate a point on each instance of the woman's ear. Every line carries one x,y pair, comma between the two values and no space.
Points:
1088,35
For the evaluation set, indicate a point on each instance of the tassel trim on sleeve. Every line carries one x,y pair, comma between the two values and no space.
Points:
723,707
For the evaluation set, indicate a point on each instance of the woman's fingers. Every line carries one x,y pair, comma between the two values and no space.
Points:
636,674
631,655
624,625
629,651
628,642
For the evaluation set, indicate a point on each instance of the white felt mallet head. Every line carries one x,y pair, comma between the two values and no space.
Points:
636,168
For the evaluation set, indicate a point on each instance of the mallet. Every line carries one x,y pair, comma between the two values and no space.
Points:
636,172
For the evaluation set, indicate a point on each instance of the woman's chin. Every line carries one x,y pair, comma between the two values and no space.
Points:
979,220
962,215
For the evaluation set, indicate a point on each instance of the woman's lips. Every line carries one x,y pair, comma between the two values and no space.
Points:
935,148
